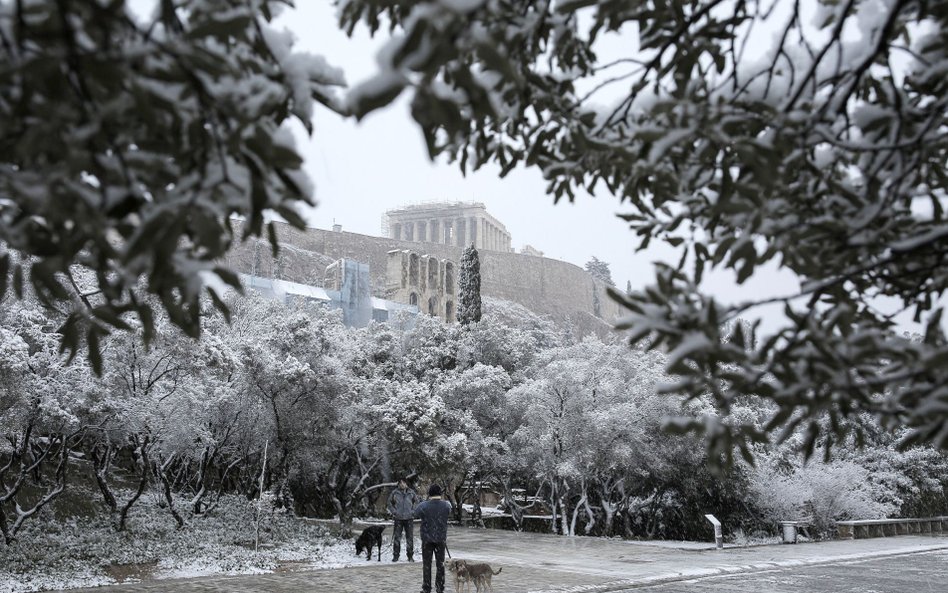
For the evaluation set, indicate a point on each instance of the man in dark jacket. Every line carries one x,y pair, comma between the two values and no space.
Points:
401,503
434,514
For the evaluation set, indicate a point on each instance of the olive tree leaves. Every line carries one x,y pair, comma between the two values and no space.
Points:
818,146
127,147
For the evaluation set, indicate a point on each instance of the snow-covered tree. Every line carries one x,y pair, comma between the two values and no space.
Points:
587,413
469,287
127,144
821,492
44,404
821,151
599,270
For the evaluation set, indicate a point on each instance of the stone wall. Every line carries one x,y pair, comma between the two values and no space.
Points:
543,285
427,282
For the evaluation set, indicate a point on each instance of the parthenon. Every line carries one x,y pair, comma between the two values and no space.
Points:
448,223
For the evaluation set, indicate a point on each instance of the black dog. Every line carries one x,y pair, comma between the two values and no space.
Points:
369,537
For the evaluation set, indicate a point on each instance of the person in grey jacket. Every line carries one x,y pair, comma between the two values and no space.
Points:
401,503
434,514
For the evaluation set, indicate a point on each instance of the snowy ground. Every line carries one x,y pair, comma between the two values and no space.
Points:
486,511
52,554
56,554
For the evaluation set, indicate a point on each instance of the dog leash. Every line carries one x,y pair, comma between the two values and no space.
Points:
447,549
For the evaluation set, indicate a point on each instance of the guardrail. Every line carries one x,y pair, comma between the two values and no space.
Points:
888,527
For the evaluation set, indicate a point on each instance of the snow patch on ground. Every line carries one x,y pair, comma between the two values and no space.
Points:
485,511
87,552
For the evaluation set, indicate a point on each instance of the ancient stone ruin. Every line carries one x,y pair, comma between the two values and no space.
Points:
445,223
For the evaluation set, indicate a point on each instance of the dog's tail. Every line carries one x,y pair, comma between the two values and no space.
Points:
498,571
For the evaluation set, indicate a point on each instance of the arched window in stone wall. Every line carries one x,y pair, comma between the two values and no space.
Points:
433,273
449,278
413,270
413,299
449,311
433,306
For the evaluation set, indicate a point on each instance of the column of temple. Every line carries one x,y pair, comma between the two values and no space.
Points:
472,230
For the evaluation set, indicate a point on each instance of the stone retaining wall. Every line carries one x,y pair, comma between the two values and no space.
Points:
545,286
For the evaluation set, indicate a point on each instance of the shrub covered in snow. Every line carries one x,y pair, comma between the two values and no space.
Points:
820,492
53,554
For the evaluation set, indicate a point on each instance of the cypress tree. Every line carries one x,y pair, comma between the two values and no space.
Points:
469,287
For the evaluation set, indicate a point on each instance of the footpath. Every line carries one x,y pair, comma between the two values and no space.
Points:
542,563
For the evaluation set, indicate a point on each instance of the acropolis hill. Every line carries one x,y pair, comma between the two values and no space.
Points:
437,230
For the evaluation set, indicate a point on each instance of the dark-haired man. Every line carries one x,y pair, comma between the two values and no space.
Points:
434,514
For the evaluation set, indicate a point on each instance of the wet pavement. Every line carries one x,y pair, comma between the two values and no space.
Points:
540,562
924,572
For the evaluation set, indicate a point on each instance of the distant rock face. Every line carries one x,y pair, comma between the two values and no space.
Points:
543,285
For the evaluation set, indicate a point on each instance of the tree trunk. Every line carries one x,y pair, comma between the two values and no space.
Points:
563,497
144,464
476,512
516,511
221,486
576,509
161,473
197,502
62,441
590,516
564,515
345,520
606,490
554,506
101,467
609,510
459,498
4,528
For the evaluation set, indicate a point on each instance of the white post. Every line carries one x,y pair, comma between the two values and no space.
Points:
263,471
718,538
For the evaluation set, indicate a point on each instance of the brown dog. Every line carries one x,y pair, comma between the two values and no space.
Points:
457,567
466,571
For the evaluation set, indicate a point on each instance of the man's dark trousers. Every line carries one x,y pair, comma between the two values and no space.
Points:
427,549
406,526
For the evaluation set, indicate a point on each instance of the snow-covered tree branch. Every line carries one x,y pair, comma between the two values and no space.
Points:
746,134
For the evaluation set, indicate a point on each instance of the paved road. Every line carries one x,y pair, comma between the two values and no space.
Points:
534,563
925,572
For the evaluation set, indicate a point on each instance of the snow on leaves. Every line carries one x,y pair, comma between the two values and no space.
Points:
820,148
127,146
574,427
